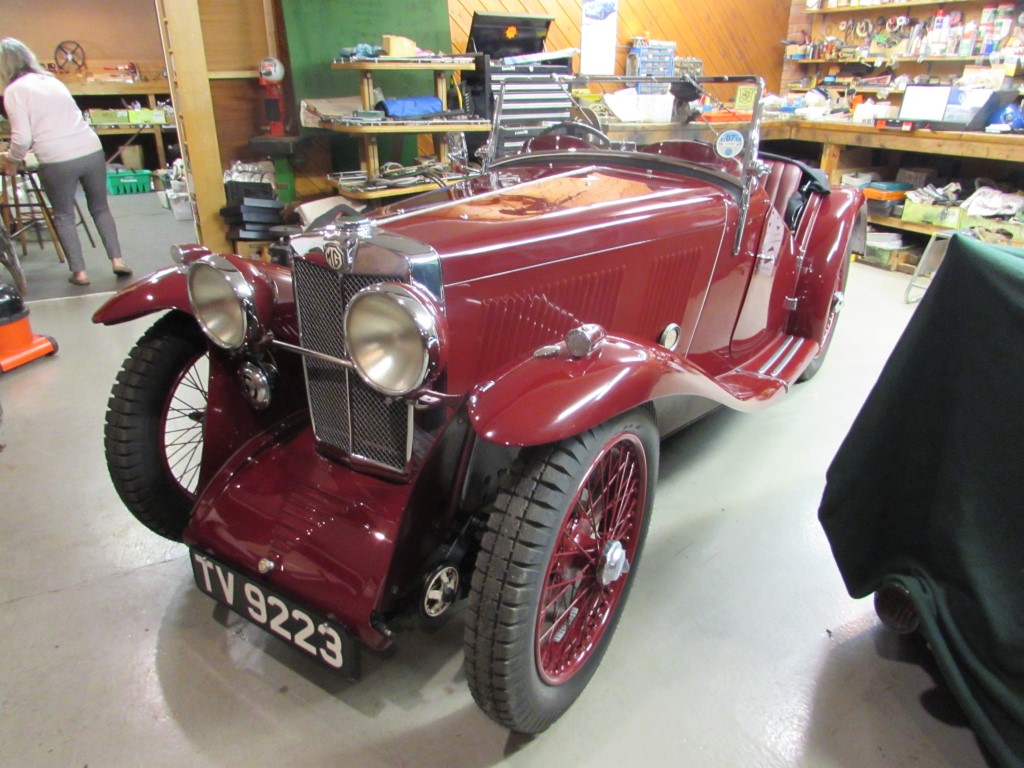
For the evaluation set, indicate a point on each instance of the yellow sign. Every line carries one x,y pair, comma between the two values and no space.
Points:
746,97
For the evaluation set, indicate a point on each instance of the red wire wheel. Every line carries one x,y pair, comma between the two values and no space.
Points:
556,561
591,560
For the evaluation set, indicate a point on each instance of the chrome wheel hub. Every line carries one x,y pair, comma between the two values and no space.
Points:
613,563
440,591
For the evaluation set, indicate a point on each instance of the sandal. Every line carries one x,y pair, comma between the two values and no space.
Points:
78,280
124,271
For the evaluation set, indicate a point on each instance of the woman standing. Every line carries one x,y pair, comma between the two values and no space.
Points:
45,119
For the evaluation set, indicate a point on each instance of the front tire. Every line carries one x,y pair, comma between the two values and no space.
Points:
154,428
556,562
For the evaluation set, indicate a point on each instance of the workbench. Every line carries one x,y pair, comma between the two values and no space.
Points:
835,137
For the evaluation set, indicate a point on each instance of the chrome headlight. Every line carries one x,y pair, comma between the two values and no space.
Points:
222,301
395,337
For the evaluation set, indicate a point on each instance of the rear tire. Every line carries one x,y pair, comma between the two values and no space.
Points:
154,428
556,562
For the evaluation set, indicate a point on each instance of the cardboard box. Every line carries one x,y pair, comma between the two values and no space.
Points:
181,205
881,256
859,180
919,177
949,216
395,45
1000,229
108,116
147,116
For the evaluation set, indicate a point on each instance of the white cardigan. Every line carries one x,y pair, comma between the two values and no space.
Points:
45,118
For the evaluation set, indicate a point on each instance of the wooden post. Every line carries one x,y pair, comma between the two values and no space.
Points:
830,161
181,29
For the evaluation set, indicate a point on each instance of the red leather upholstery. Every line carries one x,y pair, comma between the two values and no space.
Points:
781,183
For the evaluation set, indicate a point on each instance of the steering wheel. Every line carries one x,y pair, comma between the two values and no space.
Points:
581,131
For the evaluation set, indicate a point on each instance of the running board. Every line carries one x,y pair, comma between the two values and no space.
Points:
772,371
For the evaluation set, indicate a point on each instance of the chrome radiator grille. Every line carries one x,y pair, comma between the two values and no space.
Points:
346,413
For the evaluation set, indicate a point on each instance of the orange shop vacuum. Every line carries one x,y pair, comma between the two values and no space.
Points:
18,345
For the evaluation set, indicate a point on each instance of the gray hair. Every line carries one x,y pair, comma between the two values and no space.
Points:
15,58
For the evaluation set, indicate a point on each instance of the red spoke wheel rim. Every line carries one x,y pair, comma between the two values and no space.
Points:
576,606
181,423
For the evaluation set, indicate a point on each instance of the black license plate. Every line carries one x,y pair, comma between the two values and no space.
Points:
308,631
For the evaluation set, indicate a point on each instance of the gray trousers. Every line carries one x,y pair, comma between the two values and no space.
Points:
60,182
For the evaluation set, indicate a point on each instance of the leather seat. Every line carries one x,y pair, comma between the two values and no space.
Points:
781,183
789,183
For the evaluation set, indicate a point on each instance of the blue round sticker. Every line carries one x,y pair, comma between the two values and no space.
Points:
729,144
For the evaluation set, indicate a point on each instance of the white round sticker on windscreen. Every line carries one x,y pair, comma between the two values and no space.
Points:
729,144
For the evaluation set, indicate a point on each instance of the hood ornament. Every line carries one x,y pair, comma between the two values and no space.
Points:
341,242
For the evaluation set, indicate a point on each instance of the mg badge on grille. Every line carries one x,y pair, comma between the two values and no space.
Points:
334,254
340,247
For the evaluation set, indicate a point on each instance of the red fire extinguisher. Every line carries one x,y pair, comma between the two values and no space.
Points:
271,77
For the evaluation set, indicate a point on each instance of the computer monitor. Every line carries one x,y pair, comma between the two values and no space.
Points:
948,108
970,110
499,35
925,103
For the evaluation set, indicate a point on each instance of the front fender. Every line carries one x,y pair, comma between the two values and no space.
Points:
161,290
546,399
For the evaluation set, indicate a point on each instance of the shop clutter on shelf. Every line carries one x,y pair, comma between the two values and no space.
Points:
871,57
895,36
132,113
991,211
252,206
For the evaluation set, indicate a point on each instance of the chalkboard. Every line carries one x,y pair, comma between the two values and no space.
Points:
317,29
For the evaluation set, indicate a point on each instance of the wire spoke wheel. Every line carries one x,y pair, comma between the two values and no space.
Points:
183,420
556,562
155,420
595,546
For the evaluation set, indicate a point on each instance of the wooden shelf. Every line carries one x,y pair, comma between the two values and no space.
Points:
882,8
409,126
441,64
897,59
128,130
908,226
105,88
440,67
846,86
150,89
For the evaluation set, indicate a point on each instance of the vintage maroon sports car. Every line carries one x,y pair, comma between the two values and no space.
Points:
462,395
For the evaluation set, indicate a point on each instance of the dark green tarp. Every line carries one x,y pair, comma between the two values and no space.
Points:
927,489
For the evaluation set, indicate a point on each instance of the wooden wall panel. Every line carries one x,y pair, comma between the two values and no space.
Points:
236,105
234,34
113,30
730,36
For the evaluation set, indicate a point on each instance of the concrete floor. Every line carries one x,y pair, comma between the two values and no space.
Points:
739,645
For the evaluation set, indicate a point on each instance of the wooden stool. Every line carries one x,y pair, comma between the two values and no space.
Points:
19,216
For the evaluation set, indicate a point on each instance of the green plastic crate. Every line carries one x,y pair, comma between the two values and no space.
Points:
128,182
